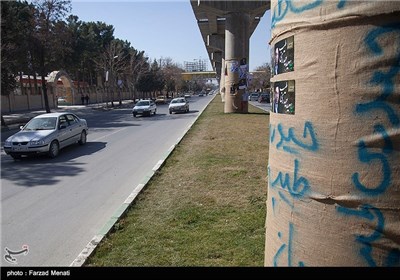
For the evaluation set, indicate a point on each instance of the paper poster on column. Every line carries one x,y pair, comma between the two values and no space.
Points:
243,72
283,97
283,56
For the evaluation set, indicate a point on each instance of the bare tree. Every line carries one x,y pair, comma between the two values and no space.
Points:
47,13
138,66
172,74
261,78
112,62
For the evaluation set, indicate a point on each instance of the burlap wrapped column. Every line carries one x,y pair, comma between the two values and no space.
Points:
334,161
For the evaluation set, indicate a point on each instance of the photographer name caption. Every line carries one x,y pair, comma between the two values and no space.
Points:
37,272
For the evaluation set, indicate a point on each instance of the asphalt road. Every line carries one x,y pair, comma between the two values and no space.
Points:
56,206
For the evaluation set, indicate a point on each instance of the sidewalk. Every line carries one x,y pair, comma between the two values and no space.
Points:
16,119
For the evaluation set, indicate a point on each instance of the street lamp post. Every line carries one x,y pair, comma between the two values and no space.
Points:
107,88
119,84
112,79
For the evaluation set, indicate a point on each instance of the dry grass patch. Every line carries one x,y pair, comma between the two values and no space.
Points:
206,206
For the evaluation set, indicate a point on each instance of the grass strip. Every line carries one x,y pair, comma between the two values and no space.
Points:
206,205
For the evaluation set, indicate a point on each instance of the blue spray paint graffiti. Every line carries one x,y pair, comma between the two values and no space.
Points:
273,204
290,142
297,187
379,105
284,6
365,156
271,134
369,155
387,81
288,247
341,4
393,258
373,215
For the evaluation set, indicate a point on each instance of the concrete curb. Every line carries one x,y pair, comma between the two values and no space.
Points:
91,246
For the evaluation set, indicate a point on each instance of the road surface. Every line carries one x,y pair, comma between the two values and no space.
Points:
54,207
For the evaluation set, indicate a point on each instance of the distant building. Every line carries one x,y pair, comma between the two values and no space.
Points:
198,65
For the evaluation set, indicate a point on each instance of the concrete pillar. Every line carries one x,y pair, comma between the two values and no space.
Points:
222,82
236,61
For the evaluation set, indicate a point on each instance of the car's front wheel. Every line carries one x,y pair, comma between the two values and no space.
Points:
82,140
134,115
54,149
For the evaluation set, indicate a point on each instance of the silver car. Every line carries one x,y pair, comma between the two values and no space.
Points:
144,107
179,104
47,133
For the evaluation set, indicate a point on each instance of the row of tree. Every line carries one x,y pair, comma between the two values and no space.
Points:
42,36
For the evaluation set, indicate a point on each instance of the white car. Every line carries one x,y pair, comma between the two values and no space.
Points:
61,100
178,104
253,96
144,107
47,133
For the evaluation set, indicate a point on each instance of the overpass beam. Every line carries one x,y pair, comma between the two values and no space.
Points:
216,56
217,66
216,42
237,37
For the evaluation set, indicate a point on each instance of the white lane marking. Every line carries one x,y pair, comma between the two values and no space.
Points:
104,136
157,165
87,251
134,193
171,148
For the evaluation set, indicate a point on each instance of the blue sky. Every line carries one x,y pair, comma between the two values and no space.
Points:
165,28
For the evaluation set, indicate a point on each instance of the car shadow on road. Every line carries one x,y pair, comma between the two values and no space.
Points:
184,113
139,117
41,170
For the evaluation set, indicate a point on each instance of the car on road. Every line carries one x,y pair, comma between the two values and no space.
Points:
264,98
179,104
161,100
47,134
61,100
144,107
253,96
